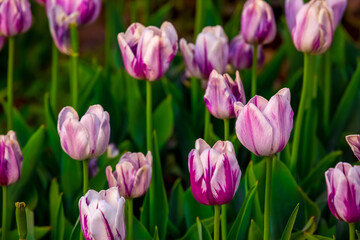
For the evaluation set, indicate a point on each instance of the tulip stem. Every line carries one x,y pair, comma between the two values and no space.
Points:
194,97
10,77
74,61
4,214
148,116
216,222
54,78
129,225
327,90
254,69
85,175
351,231
207,125
223,207
269,162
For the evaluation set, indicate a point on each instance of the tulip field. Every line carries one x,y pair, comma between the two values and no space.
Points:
188,120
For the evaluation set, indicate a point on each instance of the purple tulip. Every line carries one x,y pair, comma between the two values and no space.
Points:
214,172
148,51
112,151
2,42
15,17
86,138
241,53
258,22
314,27
102,215
343,192
132,175
221,94
262,126
354,143
10,159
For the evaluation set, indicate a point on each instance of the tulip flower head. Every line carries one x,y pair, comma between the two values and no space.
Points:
148,51
10,159
262,126
354,143
214,172
209,52
112,151
15,17
343,192
258,22
87,138
102,215
132,175
221,94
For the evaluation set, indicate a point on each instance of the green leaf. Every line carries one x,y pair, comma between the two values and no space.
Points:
163,120
140,231
75,233
156,234
255,232
30,224
308,229
40,232
176,203
290,224
199,230
21,128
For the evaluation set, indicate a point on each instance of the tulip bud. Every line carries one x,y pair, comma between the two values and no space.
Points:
112,151
214,172
148,52
2,42
221,94
21,222
102,215
354,143
132,175
15,17
343,192
241,53
210,52
314,27
264,127
93,167
10,159
258,22
86,138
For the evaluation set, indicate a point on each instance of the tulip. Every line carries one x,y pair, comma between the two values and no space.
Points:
221,94
112,151
343,192
132,175
93,167
10,159
102,215
148,51
214,172
210,52
15,17
262,126
2,42
86,138
354,143
258,22
241,53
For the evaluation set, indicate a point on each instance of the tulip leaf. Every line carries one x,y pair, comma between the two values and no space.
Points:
156,234
235,228
75,232
176,210
40,232
21,128
255,232
290,224
140,231
316,237
57,218
30,224
163,120
198,230
309,229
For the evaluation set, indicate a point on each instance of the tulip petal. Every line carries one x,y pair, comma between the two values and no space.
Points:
259,102
338,7
188,52
292,8
88,10
354,143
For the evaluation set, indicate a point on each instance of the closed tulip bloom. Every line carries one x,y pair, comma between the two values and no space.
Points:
264,127
86,138
132,175
15,17
354,143
221,94
241,53
214,172
148,51
209,52
102,215
10,159
343,192
258,22
112,151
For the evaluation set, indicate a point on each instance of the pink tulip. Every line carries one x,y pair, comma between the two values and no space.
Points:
15,17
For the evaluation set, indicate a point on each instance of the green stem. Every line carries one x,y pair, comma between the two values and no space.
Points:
147,12
351,231
223,207
254,69
10,78
267,198
306,94
133,11
327,90
4,216
130,214
54,77
207,125
194,96
74,62
85,175
199,17
216,222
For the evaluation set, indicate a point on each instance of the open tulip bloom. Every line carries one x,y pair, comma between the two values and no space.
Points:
354,143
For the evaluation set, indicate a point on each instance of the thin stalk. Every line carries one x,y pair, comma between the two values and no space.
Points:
4,216
133,11
254,70
85,175
74,64
351,231
10,79
194,96
327,90
207,124
223,207
269,162
54,77
216,222
130,215
199,17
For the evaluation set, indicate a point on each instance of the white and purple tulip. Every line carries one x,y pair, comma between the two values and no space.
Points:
258,22
214,172
354,143
10,159
148,51
221,94
209,52
102,215
241,53
262,126
132,175
87,138
343,192
15,17
112,151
